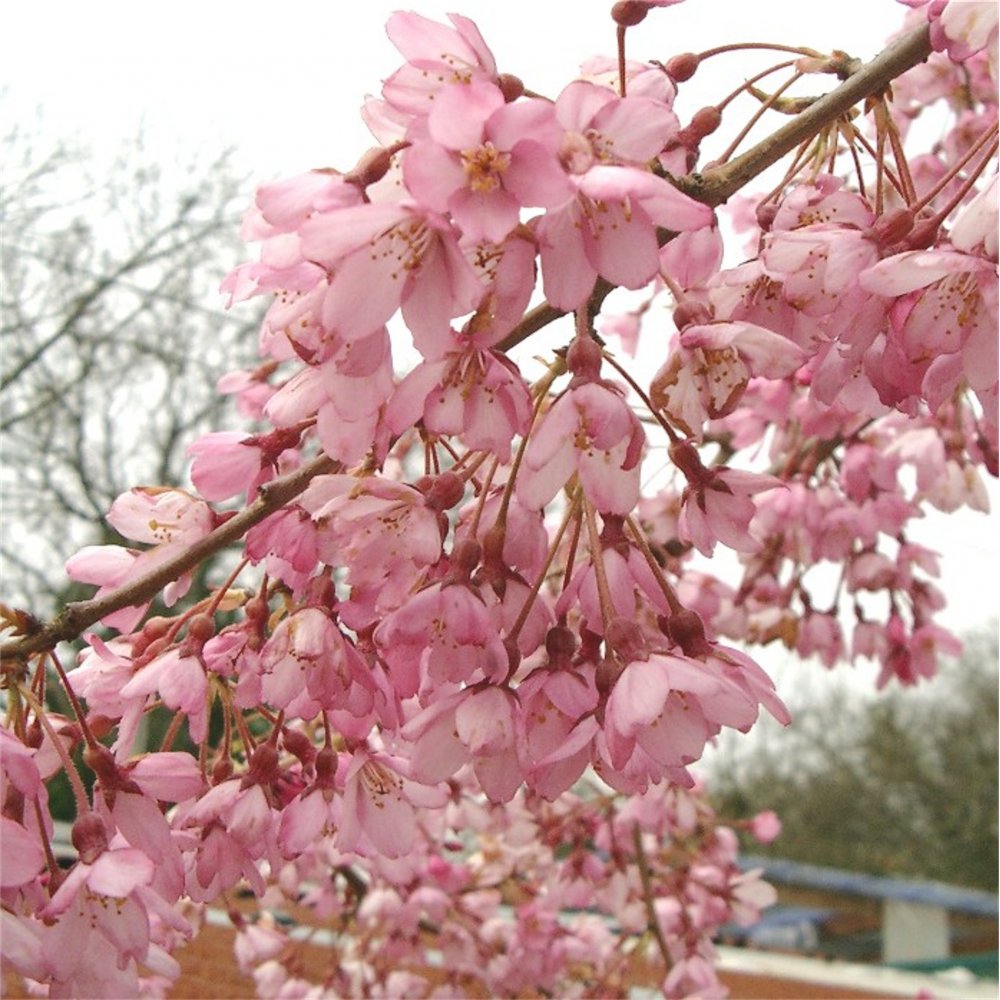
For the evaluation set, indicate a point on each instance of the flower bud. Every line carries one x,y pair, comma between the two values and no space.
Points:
682,67
512,87
705,121
629,13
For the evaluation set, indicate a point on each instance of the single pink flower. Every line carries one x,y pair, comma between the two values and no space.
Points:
378,815
590,430
478,396
436,56
609,229
482,159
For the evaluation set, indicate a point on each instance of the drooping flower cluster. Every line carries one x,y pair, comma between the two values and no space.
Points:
476,588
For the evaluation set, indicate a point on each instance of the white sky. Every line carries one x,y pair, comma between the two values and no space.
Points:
282,82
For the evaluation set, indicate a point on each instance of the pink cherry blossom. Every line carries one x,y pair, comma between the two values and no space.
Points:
607,442
609,230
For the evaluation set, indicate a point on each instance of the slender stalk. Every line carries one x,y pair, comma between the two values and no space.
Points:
652,921
716,185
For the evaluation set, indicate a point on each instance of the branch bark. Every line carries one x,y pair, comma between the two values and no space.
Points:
79,615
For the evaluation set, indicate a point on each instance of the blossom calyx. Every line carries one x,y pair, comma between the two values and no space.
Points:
629,13
89,836
685,457
626,639
584,359
263,766
891,227
686,629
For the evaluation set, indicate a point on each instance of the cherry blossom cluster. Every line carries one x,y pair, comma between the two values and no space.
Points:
477,633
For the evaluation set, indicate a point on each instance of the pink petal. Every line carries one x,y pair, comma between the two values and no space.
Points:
116,873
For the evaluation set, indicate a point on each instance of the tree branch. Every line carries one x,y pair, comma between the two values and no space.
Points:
75,617
716,185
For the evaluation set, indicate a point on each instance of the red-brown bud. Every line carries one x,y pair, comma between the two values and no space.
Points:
512,87
629,13
682,67
705,121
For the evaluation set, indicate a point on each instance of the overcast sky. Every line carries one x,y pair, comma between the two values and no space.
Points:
282,83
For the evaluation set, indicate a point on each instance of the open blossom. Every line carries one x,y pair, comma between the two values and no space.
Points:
705,377
480,724
308,665
482,159
378,814
608,229
444,633
169,520
943,322
592,431
383,256
478,396
669,706
436,56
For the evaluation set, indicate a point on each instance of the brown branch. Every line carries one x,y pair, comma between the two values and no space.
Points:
715,186
79,615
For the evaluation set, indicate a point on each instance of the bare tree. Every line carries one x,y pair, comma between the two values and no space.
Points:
113,337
